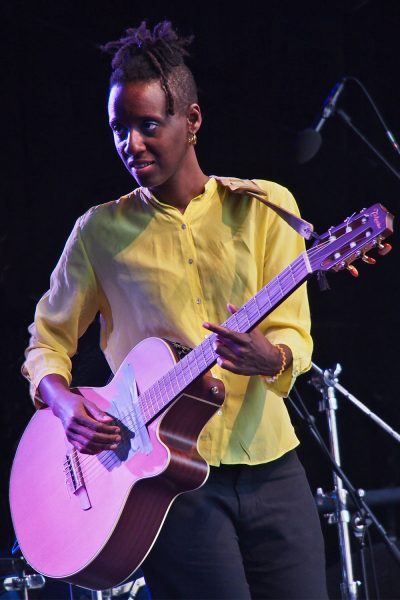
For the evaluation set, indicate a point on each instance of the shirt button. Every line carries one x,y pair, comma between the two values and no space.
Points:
198,300
190,261
219,413
183,226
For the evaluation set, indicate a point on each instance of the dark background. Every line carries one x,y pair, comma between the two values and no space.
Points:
263,70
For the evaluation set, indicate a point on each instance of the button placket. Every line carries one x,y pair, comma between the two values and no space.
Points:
189,251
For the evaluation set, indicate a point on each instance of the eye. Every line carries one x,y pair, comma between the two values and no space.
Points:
150,126
118,129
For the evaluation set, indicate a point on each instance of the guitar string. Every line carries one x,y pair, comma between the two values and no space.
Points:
275,286
275,283
292,269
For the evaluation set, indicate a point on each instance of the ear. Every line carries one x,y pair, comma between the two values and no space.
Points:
194,118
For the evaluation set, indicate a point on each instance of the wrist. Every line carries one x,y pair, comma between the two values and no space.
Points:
51,387
284,359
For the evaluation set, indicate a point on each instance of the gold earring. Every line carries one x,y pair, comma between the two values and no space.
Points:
192,139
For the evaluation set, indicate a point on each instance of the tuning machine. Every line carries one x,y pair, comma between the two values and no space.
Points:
352,270
384,249
368,259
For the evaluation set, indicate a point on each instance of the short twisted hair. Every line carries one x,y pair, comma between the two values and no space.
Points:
145,55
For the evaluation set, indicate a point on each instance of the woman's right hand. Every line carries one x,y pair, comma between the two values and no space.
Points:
89,429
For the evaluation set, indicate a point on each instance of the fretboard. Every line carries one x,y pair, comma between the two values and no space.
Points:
203,357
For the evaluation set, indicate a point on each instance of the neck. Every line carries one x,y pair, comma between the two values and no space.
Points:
181,189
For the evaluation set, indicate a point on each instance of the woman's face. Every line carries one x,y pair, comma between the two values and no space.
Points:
152,144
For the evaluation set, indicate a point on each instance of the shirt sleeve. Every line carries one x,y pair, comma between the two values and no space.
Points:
290,322
62,315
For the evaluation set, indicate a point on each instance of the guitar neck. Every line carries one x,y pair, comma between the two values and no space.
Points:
203,357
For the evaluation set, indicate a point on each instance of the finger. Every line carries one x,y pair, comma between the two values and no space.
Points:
229,366
96,412
93,417
225,351
232,308
87,447
96,448
224,332
92,424
81,444
90,435
99,415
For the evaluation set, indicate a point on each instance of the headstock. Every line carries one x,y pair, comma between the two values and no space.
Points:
340,246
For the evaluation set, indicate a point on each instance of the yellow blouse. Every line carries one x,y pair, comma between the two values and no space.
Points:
151,271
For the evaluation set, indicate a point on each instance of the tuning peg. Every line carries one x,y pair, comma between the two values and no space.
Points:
368,259
352,270
384,248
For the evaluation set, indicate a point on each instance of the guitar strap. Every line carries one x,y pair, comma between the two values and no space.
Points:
248,186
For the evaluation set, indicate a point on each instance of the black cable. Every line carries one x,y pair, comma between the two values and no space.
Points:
373,566
347,119
376,109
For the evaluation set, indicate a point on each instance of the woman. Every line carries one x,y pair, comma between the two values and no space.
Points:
168,260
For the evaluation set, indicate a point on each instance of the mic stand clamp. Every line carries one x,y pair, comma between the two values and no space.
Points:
341,516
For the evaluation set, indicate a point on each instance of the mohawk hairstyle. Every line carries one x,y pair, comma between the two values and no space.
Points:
145,55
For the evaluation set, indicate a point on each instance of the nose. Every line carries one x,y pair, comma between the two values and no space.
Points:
134,143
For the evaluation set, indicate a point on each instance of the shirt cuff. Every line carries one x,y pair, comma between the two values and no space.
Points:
35,381
285,382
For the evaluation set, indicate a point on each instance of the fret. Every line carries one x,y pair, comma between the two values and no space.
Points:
207,350
186,370
276,293
281,284
265,301
158,391
183,368
290,270
253,310
286,280
168,386
177,386
172,382
147,403
201,359
243,319
193,363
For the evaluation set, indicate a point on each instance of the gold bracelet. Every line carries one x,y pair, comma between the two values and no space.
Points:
282,367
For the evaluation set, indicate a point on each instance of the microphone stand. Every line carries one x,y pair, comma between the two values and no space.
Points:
326,382
347,119
342,515
333,382
309,140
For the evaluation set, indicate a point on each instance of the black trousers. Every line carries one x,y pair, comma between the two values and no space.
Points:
249,532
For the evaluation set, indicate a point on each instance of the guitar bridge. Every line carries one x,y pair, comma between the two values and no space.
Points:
74,480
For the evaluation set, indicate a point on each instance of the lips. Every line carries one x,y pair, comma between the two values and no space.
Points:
139,165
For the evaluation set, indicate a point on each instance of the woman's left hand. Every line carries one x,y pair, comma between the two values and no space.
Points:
247,353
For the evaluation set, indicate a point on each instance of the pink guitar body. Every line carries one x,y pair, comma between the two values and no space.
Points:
93,522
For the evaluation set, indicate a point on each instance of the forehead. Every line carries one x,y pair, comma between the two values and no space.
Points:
134,99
